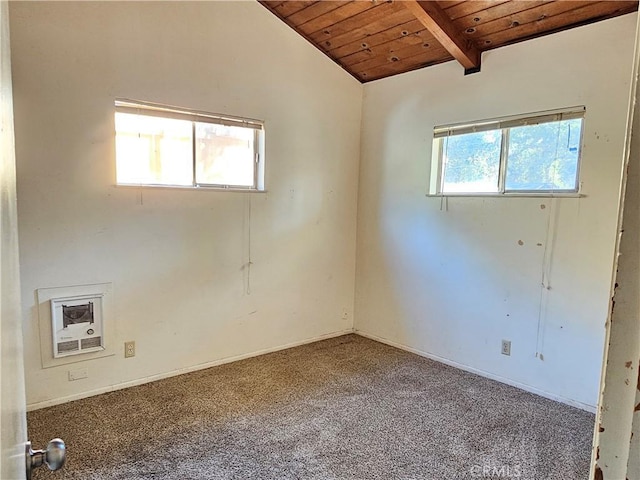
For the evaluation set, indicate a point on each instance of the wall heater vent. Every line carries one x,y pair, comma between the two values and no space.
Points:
90,343
77,324
66,347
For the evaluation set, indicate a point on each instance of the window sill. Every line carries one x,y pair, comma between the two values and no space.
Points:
189,188
511,195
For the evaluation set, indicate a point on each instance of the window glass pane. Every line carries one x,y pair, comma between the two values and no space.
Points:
544,157
224,155
471,162
153,150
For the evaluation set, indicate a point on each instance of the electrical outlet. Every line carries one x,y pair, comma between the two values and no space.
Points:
78,374
506,347
129,349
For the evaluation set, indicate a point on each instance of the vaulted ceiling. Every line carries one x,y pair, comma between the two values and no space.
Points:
373,39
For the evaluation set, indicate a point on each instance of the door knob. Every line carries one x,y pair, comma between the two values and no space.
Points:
54,456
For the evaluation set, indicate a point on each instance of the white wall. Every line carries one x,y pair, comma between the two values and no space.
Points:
448,277
616,452
177,257
616,419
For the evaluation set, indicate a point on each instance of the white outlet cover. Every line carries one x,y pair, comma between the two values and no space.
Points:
78,374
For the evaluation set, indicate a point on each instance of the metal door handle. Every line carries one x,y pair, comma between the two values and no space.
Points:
54,456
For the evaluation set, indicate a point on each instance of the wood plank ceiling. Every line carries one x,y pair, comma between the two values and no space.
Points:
373,39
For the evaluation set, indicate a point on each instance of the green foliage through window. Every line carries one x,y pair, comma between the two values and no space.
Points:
538,154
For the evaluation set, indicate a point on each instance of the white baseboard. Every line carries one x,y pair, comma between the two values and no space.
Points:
482,373
180,371
214,363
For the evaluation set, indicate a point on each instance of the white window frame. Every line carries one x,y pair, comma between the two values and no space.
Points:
137,107
436,180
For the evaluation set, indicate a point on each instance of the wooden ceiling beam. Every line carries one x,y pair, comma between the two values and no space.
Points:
434,18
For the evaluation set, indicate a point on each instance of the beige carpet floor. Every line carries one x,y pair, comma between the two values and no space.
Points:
344,408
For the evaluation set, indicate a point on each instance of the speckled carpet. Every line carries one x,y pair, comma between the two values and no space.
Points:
344,408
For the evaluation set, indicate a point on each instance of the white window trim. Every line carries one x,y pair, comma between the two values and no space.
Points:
502,123
138,107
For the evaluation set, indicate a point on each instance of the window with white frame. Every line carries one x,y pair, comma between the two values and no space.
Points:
528,154
158,145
